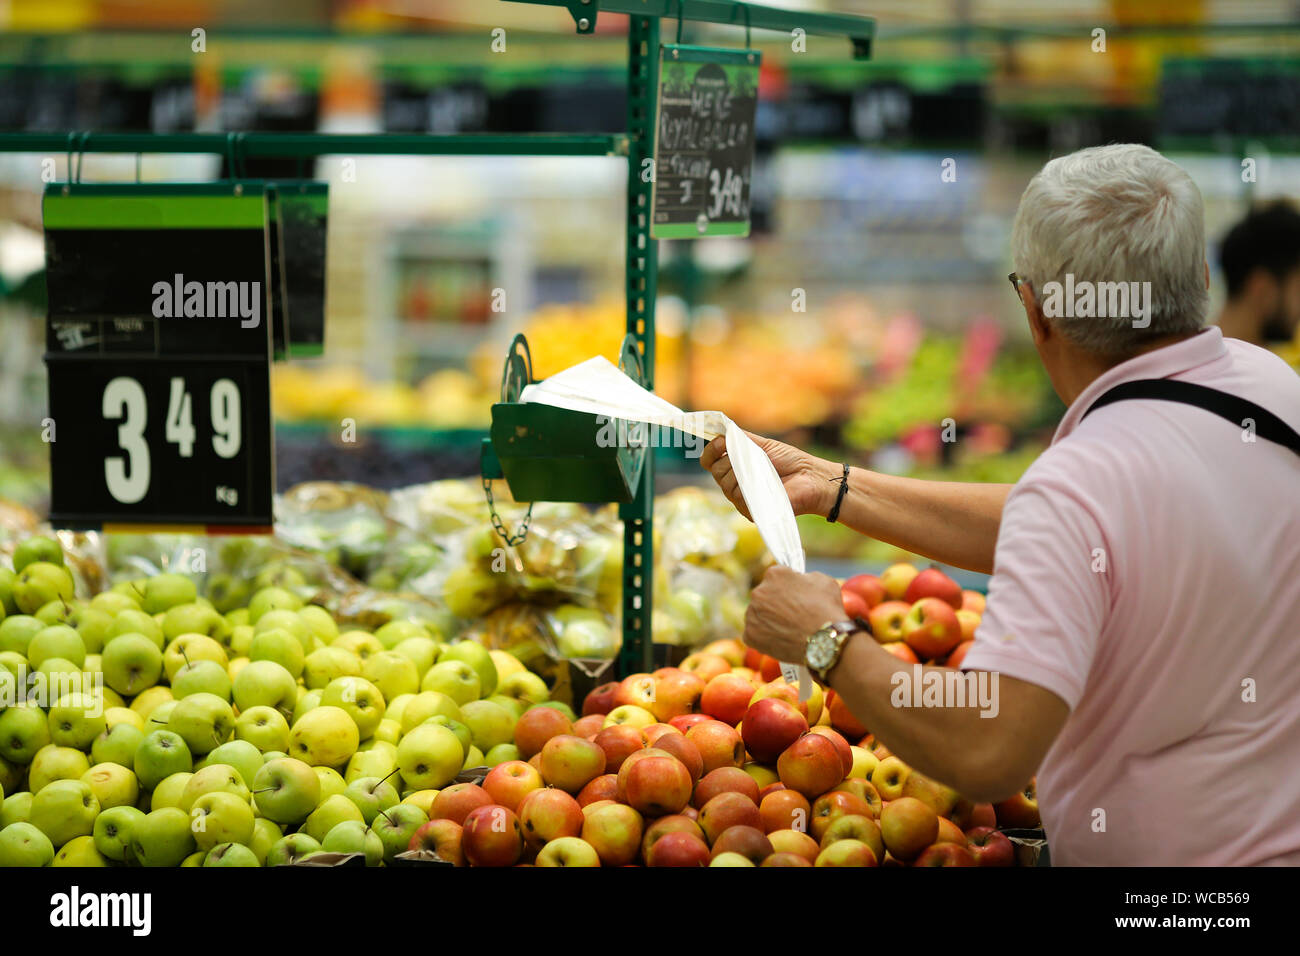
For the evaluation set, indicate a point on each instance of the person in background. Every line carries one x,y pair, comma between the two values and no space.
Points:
1260,259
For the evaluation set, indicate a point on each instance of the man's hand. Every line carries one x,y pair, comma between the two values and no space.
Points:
807,479
787,608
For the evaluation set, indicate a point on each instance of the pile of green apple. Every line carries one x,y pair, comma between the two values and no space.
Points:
141,726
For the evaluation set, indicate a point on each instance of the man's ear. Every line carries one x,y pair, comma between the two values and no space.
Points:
1038,326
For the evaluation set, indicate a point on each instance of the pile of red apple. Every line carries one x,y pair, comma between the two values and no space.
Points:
918,615
717,763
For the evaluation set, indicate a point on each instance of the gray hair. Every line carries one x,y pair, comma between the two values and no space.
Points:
1116,214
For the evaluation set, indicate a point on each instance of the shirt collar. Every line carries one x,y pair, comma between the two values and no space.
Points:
1168,362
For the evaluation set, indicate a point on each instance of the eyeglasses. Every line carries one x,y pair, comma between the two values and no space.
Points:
1015,283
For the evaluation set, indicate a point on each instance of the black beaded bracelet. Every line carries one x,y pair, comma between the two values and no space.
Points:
839,498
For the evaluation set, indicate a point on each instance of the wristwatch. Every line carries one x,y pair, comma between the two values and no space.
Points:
824,648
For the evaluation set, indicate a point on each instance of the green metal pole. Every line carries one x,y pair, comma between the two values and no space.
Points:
641,277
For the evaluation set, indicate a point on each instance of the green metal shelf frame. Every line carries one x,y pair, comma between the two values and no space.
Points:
636,144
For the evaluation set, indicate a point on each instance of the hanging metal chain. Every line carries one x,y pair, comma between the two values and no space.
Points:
510,539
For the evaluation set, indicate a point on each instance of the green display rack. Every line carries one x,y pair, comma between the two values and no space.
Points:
636,144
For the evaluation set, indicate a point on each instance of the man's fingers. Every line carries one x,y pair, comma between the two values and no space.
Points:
712,452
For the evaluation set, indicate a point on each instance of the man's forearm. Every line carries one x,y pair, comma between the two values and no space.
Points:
953,522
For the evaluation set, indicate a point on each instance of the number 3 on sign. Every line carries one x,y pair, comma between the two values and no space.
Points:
124,398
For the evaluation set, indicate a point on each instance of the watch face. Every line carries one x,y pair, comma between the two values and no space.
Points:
821,649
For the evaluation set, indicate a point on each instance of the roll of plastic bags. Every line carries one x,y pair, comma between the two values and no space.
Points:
597,387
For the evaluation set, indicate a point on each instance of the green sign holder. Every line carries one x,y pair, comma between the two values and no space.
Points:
636,144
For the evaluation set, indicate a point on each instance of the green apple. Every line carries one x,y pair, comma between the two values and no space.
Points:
460,729
117,744
351,836
394,632
561,706
159,716
195,619
489,723
38,547
64,809
7,579
16,633
230,854
76,720
420,651
22,844
392,672
24,730
525,687
286,790
11,661
396,826
388,731
204,722
92,624
112,831
241,755
81,853
331,812
202,677
56,640
266,833
474,758
279,574
111,602
40,583
266,684
220,817
377,761
329,663
512,705
135,621
190,649
55,677
272,599
396,706
159,755
320,622
280,646
500,754
263,727
53,762
56,612
371,794
112,784
226,592
307,700
291,621
217,778
360,699
361,643
291,849
11,777
325,736
169,791
241,638
332,783
147,701
165,591
162,838
476,656
17,808
456,679
429,757
426,704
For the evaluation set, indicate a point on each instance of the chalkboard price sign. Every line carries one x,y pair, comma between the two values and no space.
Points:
704,142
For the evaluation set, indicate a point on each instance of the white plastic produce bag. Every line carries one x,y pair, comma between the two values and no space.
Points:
597,387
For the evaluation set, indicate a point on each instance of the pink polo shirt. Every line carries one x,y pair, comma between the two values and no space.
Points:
1148,573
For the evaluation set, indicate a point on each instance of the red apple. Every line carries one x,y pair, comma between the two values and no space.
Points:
614,831
864,791
753,659
841,745
785,859
772,788
908,826
796,842
637,690
811,708
832,805
629,763
968,815
726,698
866,586
889,777
1020,811
842,719
902,652
973,601
685,751
946,854
676,694
970,622
442,837
771,725
933,583
601,700
785,810
570,763
729,649
991,847
750,842
847,853
931,628
492,837
678,849
456,801
706,666
886,621
728,810
619,742
604,787
958,654
724,780
896,578
855,605
549,814
769,668
718,743
855,827
810,765
653,732
538,725
587,726
949,832
658,786
937,796
508,783
674,823
684,723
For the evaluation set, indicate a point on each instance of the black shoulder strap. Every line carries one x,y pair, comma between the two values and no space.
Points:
1231,407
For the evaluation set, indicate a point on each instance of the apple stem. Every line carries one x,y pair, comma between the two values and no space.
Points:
386,816
394,770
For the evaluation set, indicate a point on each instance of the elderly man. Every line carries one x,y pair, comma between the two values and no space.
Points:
1143,617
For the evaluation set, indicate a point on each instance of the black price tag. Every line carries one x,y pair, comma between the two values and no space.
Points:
159,350
704,142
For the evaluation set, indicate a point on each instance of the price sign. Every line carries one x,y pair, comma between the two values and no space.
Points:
704,142
158,347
